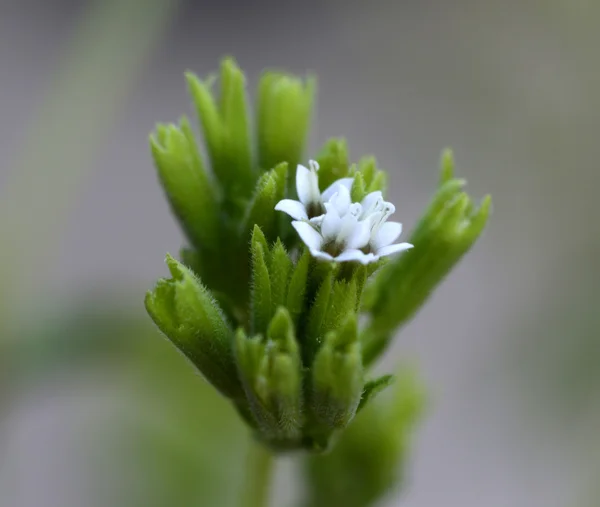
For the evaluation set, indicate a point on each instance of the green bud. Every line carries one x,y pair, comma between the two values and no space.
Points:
226,129
271,373
379,182
374,179
190,192
295,301
270,189
333,162
369,457
280,268
447,231
316,317
367,166
284,112
185,311
341,304
261,283
359,188
337,377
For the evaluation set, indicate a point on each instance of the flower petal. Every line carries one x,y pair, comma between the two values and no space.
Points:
331,224
307,233
317,221
346,229
320,255
307,185
341,200
372,201
386,235
295,209
392,249
333,188
355,255
360,235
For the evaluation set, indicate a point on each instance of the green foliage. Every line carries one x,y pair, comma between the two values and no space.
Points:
270,369
226,130
270,189
374,178
261,283
284,111
295,368
334,162
447,230
369,458
186,183
337,376
184,310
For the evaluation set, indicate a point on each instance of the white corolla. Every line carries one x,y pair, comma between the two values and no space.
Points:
336,229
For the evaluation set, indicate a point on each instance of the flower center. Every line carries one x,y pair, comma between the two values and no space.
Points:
315,209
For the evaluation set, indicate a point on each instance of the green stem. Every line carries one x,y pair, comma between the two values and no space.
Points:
259,473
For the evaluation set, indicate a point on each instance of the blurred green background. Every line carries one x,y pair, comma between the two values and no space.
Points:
97,410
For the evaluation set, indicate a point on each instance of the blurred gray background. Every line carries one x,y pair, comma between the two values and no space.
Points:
509,346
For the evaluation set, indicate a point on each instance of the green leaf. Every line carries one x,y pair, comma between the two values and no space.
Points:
358,190
373,388
379,182
447,167
333,162
337,376
280,268
368,461
367,166
342,303
284,111
297,288
269,191
185,182
185,311
445,233
317,314
271,372
261,284
226,129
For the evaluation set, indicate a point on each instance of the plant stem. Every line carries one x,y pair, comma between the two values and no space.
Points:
259,472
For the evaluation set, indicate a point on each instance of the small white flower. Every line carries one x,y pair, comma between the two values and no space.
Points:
384,233
311,202
352,231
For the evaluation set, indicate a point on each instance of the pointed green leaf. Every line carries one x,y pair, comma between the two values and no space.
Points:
284,112
379,182
226,130
342,304
186,184
333,162
358,190
270,189
447,167
186,312
373,388
337,376
368,167
317,314
444,234
298,286
261,284
280,268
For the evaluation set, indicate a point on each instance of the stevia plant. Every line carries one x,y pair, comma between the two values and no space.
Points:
292,283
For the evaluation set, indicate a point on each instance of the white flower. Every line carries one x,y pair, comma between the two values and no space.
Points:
311,203
352,231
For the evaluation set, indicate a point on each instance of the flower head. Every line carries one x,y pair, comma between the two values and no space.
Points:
311,202
350,231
